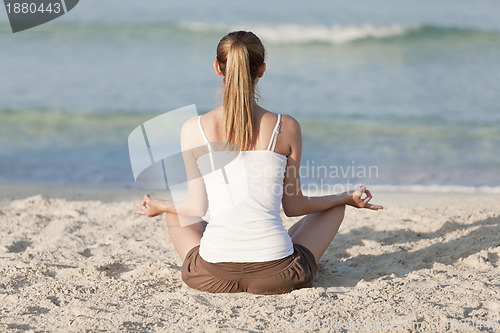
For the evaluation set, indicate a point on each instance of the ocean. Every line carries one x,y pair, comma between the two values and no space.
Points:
399,93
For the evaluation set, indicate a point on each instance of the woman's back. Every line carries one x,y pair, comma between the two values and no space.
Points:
264,123
244,190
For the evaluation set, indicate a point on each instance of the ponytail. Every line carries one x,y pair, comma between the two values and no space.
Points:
238,97
240,55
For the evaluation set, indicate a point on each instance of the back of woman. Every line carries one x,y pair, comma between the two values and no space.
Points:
244,190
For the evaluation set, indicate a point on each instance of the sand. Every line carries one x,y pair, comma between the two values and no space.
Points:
75,259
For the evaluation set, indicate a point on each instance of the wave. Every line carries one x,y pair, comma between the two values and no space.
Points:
42,129
336,34
276,34
291,33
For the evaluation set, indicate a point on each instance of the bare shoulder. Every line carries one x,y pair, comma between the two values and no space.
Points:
191,135
189,125
290,125
290,138
188,130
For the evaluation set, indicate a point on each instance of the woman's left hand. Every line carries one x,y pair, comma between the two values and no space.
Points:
151,207
356,200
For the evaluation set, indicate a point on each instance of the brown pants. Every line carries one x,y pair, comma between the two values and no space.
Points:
270,277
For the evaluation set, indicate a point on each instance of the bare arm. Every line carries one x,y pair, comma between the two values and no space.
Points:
295,203
196,203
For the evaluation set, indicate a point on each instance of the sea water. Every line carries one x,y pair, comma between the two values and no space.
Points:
387,93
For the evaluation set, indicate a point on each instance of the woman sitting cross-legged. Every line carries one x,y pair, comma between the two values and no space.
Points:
245,247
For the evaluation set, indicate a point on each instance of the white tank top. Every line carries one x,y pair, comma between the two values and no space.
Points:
244,190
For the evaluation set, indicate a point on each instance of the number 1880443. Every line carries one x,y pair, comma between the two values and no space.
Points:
33,8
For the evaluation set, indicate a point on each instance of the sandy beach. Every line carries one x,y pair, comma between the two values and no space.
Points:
78,261
401,94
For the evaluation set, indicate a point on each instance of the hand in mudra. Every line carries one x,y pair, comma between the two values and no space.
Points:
151,207
356,199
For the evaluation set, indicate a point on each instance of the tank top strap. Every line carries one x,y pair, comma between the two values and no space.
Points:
274,137
203,133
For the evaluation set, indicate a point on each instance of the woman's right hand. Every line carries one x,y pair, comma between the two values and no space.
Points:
354,198
151,207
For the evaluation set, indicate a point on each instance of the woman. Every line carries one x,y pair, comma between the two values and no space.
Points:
245,247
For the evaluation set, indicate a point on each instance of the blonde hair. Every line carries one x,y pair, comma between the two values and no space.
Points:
240,55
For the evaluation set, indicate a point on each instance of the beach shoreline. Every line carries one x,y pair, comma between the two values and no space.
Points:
113,192
77,260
